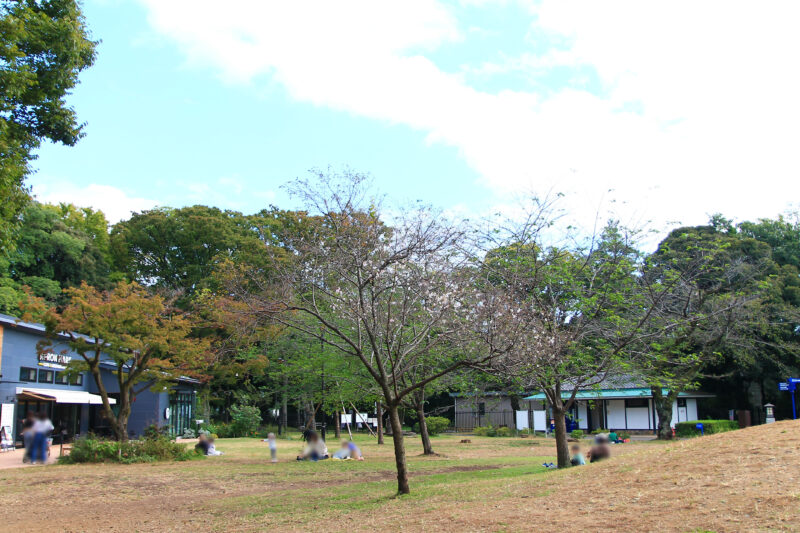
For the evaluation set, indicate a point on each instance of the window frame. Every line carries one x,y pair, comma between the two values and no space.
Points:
58,375
643,403
45,371
29,370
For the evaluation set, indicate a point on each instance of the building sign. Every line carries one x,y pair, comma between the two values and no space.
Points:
54,360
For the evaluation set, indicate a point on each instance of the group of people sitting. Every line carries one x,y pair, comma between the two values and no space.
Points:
599,451
316,450
205,445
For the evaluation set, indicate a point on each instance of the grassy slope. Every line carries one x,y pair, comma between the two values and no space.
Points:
745,480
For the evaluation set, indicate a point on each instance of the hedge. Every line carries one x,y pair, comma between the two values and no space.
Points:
436,424
689,429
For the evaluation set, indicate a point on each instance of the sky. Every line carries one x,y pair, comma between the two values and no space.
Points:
653,113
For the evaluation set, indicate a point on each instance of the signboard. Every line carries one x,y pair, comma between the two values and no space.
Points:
793,380
784,386
54,360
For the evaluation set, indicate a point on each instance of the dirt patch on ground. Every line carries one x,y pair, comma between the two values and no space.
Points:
740,481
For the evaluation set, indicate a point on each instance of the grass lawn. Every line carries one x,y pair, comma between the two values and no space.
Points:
744,480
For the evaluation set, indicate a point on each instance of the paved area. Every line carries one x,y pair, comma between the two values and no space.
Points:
13,458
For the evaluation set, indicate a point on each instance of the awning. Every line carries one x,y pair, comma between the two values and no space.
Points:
617,394
61,396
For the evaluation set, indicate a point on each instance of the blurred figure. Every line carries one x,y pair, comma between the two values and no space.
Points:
27,436
202,444
600,450
577,457
349,450
315,449
212,448
273,447
42,427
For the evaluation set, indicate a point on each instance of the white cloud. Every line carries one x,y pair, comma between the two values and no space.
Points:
115,203
698,109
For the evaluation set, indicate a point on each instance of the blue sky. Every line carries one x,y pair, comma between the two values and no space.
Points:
649,114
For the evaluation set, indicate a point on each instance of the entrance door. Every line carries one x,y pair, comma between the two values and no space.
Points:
682,415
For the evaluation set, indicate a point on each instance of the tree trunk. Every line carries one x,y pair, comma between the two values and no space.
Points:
427,447
663,407
338,425
380,422
562,446
399,450
284,405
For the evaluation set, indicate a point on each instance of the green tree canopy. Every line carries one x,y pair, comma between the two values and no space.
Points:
44,45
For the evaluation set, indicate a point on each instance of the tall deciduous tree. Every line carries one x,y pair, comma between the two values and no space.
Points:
145,342
571,309
712,304
44,45
385,296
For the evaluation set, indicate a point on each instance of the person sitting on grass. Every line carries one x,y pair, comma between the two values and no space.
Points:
202,444
212,449
613,437
600,450
577,457
349,450
315,449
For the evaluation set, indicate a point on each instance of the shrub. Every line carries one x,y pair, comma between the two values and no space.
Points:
436,424
485,431
245,420
623,435
189,433
149,449
504,432
599,430
689,429
576,434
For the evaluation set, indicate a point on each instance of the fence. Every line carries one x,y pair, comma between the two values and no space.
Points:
468,420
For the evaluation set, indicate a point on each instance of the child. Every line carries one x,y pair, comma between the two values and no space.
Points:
273,447
212,449
577,457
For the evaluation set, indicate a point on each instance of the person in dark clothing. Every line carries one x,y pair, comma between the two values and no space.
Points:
27,436
202,444
600,450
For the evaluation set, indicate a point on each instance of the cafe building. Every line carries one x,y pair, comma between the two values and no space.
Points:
31,381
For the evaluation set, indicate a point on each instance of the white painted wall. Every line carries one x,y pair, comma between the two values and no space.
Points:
540,420
583,416
691,407
638,418
616,414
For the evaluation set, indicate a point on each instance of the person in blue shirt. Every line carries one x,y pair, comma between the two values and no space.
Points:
577,457
349,450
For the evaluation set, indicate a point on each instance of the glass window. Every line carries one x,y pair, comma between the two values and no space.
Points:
636,402
681,402
76,380
46,376
61,378
27,374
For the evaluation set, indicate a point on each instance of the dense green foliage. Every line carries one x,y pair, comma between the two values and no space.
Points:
153,448
436,424
44,45
689,429
245,420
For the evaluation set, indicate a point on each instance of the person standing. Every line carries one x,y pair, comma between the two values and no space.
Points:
273,447
27,436
42,428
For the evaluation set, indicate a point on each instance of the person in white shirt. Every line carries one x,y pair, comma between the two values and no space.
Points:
315,449
42,428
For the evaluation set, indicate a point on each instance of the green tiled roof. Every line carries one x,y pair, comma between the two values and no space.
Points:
615,394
